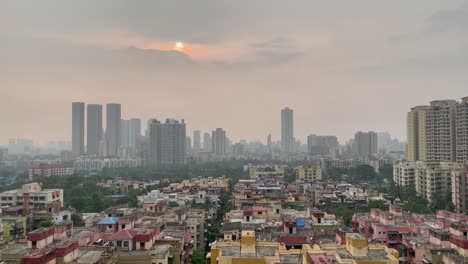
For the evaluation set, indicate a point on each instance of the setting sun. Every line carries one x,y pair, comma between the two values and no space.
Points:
179,45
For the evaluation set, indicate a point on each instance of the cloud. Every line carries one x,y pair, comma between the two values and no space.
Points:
449,20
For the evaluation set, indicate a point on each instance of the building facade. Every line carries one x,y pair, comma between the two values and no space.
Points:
196,141
78,125
218,138
113,114
94,129
287,130
322,145
167,143
461,130
365,143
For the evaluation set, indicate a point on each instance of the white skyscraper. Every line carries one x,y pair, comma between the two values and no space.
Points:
287,130
78,126
113,129
94,129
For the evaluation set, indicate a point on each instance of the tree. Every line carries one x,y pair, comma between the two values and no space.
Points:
344,214
417,205
133,198
173,204
442,202
386,172
77,219
363,173
198,257
46,223
378,204
96,203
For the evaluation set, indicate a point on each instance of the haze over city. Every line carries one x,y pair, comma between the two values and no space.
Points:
342,66
233,132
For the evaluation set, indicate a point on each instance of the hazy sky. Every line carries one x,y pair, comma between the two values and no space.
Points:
342,66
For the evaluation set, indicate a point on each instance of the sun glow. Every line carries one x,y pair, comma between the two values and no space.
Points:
179,45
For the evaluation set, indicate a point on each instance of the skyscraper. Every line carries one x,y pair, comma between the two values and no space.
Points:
416,133
130,131
113,113
218,137
78,125
94,129
462,130
196,141
167,143
365,143
287,130
322,145
207,142
432,132
188,145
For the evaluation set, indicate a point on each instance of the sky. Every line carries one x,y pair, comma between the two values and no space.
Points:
343,66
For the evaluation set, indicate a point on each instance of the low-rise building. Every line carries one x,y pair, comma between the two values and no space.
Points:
48,170
31,195
99,164
266,172
309,173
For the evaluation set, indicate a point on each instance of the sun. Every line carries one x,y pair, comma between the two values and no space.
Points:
179,45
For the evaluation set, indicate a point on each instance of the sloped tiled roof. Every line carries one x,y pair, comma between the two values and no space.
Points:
124,234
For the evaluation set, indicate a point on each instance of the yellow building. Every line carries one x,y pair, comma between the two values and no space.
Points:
355,251
309,173
249,251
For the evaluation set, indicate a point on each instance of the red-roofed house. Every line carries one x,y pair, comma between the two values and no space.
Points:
124,239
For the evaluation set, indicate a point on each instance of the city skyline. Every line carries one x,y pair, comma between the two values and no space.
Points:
340,73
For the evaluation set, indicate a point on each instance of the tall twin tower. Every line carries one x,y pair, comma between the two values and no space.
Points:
96,143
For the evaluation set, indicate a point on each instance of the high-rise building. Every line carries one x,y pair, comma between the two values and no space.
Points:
94,129
432,132
207,142
167,143
440,131
365,143
3,154
196,141
113,113
218,138
322,145
459,190
130,131
287,130
461,130
188,145
78,126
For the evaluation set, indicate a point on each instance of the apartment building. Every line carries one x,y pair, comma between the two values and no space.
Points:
431,179
460,190
426,178
309,173
461,130
404,174
48,170
266,172
438,132
33,196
